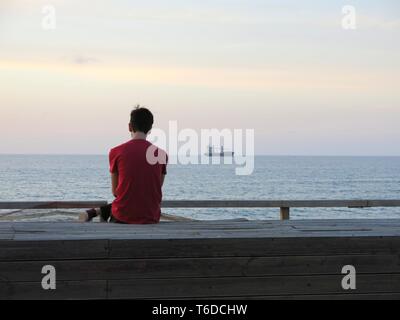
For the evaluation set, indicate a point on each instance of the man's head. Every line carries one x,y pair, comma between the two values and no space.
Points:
141,120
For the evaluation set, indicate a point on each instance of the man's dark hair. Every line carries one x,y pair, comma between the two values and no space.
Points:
142,119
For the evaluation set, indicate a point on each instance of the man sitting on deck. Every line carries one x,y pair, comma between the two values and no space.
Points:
137,179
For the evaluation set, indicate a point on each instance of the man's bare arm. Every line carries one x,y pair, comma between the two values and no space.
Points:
114,183
162,179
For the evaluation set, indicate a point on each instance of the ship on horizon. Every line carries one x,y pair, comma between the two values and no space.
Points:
222,153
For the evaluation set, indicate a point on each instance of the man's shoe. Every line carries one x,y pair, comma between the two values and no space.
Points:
88,215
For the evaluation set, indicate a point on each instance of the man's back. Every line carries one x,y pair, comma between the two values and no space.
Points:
139,190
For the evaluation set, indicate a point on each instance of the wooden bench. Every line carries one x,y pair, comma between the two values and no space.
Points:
201,260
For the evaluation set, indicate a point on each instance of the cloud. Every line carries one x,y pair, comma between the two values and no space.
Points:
84,60
272,78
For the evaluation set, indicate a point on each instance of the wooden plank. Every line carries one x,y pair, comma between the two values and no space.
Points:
128,249
188,236
251,226
67,227
53,250
383,203
240,287
277,203
245,286
346,296
252,247
212,204
168,289
202,230
25,271
64,290
52,205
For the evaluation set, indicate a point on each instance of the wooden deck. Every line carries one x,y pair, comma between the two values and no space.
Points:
202,260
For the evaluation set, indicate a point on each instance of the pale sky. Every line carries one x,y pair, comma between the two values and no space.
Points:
286,69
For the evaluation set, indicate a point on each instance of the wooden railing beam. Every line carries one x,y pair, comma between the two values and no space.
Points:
214,204
284,205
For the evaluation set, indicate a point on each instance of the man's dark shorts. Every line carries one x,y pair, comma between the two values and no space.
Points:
106,214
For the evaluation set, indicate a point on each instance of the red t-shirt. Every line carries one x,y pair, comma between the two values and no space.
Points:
139,192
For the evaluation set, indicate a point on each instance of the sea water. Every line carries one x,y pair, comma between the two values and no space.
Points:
82,178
